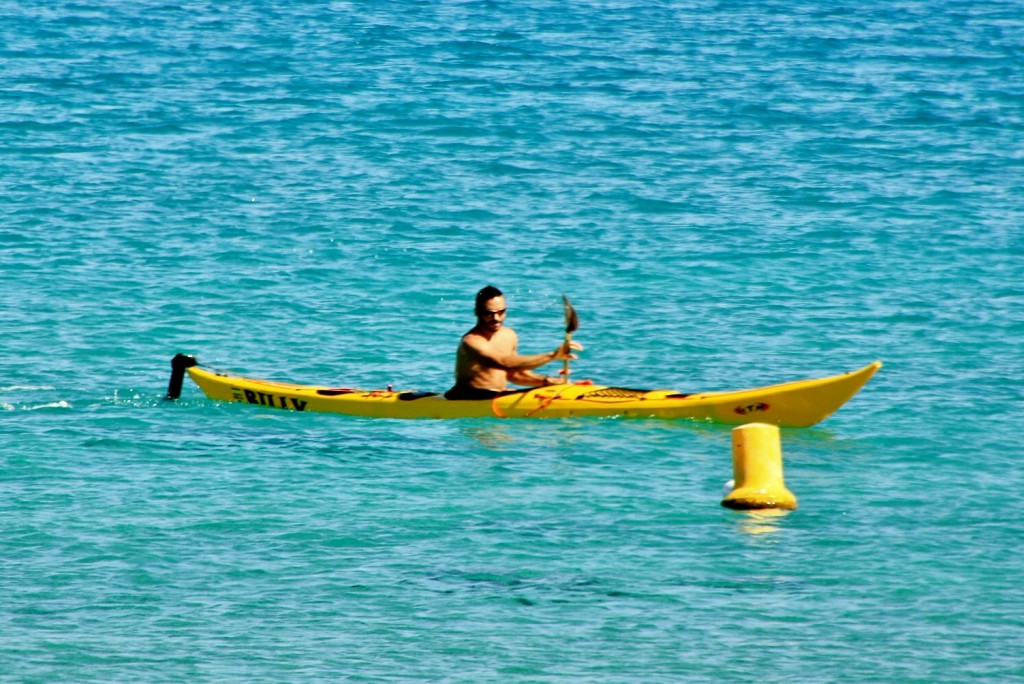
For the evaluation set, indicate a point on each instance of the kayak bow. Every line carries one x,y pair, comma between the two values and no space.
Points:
792,404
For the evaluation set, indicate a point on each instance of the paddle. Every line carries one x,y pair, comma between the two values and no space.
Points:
572,323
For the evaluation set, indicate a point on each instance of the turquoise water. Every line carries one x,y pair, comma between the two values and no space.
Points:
732,194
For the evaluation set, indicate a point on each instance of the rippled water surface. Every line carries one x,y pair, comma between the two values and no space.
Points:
732,194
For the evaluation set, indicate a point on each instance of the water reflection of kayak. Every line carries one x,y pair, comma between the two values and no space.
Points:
792,404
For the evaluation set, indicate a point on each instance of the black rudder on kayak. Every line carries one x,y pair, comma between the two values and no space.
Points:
179,364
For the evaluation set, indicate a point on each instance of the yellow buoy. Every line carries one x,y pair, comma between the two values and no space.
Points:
757,469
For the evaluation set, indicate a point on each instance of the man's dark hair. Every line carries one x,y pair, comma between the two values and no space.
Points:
485,295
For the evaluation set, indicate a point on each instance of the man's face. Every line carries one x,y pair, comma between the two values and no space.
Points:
493,313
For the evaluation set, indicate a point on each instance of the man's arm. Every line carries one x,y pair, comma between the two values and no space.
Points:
517,363
531,379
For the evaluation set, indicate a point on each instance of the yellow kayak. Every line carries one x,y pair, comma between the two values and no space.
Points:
792,404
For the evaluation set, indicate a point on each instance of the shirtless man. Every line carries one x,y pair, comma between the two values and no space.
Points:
488,359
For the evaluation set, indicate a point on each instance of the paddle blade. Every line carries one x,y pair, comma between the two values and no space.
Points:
572,321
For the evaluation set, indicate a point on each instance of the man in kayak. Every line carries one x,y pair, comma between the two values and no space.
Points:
488,359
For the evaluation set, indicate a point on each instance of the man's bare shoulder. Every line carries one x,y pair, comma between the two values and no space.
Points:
503,335
474,341
473,337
